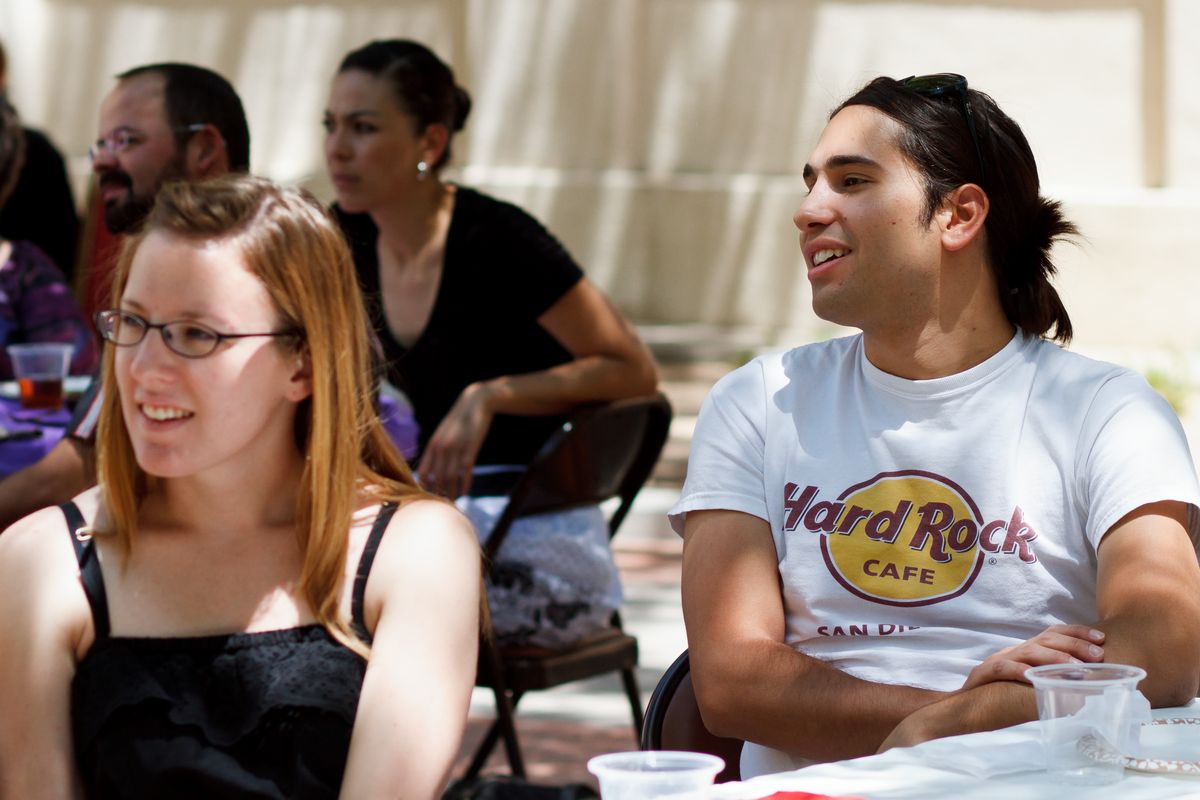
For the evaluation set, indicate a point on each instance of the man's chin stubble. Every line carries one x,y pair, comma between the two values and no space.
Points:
126,217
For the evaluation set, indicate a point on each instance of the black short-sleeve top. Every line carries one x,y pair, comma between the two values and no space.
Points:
502,270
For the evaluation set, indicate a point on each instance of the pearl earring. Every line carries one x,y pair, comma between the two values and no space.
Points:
422,170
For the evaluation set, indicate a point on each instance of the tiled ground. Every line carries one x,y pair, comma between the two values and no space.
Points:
555,751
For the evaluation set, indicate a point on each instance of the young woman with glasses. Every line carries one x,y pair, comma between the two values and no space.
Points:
257,600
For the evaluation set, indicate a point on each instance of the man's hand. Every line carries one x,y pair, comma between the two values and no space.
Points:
449,457
1058,644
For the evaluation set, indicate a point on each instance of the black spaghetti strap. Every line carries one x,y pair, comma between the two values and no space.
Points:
89,567
358,616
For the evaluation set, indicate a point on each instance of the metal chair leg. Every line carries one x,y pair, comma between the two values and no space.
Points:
483,751
504,725
629,678
508,729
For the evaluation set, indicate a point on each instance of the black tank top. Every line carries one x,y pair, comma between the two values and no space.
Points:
242,715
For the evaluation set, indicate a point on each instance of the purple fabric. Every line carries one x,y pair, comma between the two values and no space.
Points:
36,305
398,421
17,454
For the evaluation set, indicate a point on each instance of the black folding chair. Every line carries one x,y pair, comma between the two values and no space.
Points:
673,721
600,452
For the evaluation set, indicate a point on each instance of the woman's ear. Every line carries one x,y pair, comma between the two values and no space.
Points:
300,384
433,143
962,216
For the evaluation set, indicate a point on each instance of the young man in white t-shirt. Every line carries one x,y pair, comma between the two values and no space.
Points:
882,532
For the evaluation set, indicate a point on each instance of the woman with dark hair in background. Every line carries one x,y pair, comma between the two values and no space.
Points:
487,325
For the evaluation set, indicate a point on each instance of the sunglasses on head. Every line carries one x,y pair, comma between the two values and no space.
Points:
943,83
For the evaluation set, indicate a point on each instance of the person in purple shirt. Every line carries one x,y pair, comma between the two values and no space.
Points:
36,304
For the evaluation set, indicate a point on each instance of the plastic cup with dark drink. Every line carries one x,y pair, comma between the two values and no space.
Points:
40,370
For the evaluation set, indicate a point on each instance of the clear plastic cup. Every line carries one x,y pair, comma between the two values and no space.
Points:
1085,710
40,369
654,774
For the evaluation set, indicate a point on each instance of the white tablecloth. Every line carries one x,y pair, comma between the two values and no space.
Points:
929,771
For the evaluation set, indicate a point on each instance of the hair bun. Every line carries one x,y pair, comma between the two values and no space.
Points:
462,108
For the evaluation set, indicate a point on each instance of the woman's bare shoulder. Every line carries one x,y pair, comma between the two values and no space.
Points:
428,550
41,533
53,517
421,521
423,515
39,574
417,509
428,534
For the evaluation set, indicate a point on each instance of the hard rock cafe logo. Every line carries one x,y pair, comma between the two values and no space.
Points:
906,538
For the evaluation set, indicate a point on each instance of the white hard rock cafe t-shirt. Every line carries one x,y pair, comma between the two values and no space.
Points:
923,525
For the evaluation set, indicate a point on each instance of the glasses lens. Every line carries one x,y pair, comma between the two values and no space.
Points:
190,339
114,143
120,327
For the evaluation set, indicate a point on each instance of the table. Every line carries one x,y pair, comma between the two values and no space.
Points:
932,770
16,454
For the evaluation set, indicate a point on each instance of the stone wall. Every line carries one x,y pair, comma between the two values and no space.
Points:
663,139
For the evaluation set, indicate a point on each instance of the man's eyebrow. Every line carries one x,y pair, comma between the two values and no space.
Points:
127,129
851,161
835,162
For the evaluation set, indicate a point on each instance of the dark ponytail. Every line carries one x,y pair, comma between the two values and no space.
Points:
1023,270
462,108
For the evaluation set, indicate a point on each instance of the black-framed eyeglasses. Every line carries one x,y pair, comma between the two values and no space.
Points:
185,338
122,139
943,83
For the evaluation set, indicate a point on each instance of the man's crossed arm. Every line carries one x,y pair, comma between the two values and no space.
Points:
752,686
